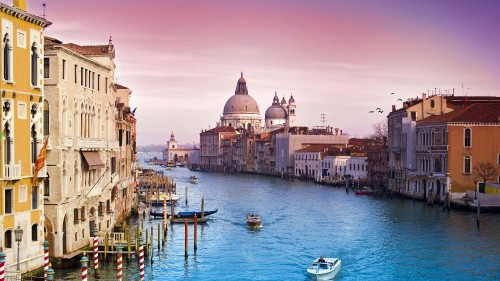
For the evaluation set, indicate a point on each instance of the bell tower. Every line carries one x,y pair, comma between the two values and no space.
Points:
291,112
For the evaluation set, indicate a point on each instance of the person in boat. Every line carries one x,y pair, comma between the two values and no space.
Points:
321,259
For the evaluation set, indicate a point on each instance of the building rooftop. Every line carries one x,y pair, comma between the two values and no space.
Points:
476,112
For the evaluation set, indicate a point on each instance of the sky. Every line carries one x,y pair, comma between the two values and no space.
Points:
182,58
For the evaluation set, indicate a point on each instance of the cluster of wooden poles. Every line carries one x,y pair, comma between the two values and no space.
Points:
144,246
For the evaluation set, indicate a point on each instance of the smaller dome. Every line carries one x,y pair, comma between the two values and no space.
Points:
275,112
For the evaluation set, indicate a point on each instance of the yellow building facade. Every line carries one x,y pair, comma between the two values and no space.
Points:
22,136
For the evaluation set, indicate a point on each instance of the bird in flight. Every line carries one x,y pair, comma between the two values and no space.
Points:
400,100
381,111
392,93
378,108
371,111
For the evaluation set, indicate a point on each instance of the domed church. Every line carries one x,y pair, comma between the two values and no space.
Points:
241,110
279,114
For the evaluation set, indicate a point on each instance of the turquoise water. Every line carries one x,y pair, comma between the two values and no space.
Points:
376,238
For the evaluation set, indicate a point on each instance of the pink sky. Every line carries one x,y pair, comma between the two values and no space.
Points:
182,58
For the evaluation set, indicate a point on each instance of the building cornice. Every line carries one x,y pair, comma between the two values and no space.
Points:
76,54
23,15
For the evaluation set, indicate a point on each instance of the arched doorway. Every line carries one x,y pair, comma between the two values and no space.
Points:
65,233
49,234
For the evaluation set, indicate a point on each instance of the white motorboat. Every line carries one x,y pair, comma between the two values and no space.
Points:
324,268
193,179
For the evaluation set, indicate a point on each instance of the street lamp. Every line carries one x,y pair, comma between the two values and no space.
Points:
19,237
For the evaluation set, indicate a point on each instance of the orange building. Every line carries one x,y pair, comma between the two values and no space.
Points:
449,146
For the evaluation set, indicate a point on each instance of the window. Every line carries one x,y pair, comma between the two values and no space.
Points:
82,213
34,148
8,201
98,82
7,144
81,76
76,74
75,216
34,198
499,159
113,165
467,165
432,103
108,206
34,65
34,232
46,67
106,86
467,137
64,69
413,115
46,118
7,58
46,186
8,239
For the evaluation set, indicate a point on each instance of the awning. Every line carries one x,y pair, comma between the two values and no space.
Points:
93,159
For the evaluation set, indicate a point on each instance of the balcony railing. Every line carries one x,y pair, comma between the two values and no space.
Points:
42,173
12,171
89,143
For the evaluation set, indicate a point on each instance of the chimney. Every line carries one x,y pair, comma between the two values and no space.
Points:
423,97
21,4
393,107
336,131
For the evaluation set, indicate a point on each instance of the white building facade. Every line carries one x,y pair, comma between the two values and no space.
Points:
82,164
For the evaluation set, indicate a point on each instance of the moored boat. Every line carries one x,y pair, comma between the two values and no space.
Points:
324,268
253,220
365,191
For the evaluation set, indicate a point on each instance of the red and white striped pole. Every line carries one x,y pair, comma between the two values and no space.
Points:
2,266
96,248
119,261
141,259
45,259
165,212
84,260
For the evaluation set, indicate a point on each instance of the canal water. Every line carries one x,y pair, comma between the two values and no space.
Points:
376,238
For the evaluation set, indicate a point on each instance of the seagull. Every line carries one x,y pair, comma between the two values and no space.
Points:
371,111
378,108
381,111
392,93
400,100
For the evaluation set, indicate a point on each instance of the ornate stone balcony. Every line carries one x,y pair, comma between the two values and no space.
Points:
12,171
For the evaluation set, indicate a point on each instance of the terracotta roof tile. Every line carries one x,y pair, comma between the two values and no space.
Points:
95,50
477,112
319,148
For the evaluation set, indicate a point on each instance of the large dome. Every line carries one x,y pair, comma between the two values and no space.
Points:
241,104
275,112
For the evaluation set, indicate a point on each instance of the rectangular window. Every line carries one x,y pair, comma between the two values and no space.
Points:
106,86
98,82
120,136
76,74
34,198
467,137
64,69
82,213
93,78
21,110
413,116
75,216
21,39
81,76
46,67
113,165
8,201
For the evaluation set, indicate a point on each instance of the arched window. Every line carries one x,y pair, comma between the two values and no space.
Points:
7,144
8,239
467,137
34,65
7,51
34,148
34,232
467,164
432,103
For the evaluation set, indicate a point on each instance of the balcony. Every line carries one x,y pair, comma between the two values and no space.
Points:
42,173
12,171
